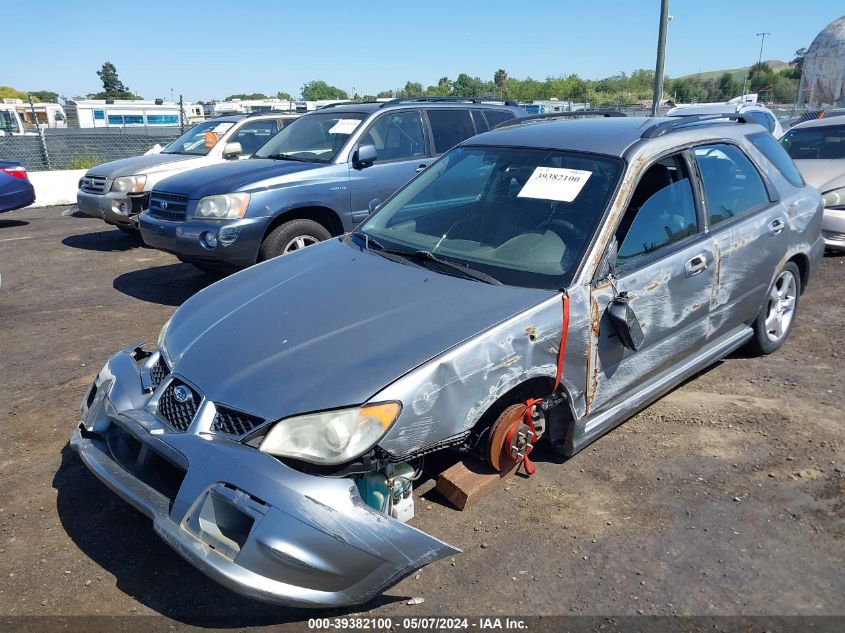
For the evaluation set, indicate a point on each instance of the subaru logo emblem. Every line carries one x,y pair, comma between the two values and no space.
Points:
182,394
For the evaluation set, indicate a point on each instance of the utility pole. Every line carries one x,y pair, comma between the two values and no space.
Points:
762,37
661,57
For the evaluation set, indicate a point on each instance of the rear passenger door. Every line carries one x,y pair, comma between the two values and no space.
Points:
402,148
665,265
749,229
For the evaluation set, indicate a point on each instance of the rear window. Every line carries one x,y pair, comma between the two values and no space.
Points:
772,150
450,127
494,117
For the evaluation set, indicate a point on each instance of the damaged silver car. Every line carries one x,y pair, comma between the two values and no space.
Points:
543,281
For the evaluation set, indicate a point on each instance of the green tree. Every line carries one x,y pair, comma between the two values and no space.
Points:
45,96
466,86
500,79
7,92
727,86
284,95
386,94
246,96
411,89
798,63
113,87
316,90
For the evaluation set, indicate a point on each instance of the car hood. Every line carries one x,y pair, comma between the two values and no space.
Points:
326,327
140,164
231,176
823,174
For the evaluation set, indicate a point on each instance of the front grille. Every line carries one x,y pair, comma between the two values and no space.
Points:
159,372
177,414
833,236
93,184
168,206
234,422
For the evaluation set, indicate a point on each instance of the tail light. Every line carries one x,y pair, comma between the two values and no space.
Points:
14,172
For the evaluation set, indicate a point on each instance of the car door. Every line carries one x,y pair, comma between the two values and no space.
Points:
664,264
402,150
749,230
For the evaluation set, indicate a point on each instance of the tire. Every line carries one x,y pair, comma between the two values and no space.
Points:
292,236
777,314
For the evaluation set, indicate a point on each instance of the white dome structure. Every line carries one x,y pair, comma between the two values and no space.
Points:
823,78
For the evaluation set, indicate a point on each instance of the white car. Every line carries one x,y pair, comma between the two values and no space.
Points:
747,106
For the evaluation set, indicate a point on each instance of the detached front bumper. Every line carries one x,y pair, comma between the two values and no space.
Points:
241,516
234,242
833,229
115,208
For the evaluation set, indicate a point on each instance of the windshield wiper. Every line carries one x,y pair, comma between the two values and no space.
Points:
461,268
285,157
368,240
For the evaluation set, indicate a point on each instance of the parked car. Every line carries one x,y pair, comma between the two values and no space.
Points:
119,190
818,149
754,111
544,280
311,182
15,189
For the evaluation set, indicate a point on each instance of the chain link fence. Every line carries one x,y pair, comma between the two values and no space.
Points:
73,148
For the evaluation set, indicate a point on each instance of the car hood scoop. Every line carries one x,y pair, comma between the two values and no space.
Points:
326,327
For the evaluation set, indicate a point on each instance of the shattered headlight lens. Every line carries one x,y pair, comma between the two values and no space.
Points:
835,199
331,437
129,184
229,206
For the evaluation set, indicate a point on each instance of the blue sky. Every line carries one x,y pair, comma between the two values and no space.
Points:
211,49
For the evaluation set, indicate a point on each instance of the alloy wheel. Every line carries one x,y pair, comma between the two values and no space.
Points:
781,306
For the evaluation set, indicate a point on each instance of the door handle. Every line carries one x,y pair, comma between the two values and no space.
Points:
776,226
421,166
696,265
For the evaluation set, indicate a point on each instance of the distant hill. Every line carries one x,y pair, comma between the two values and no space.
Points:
738,73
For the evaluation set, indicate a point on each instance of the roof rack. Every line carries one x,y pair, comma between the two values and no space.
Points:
559,115
272,112
482,100
664,126
340,103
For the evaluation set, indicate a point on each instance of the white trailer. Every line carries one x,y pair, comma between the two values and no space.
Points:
39,115
249,106
125,113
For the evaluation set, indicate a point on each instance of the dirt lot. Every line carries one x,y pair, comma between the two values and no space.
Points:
725,497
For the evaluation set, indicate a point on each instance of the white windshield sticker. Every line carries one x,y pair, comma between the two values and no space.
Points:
344,126
555,183
221,127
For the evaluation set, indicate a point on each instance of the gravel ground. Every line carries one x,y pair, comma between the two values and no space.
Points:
723,498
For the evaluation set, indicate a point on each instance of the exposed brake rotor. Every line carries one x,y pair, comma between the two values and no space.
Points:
504,433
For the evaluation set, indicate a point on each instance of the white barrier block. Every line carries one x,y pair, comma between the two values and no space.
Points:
55,187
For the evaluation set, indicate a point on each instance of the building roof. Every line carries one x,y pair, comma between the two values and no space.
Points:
823,75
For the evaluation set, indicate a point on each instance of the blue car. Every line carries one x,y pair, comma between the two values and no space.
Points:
15,189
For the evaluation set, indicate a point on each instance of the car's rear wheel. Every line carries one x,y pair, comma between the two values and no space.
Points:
777,315
292,236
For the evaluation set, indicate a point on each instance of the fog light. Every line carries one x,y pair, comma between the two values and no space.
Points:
122,207
209,239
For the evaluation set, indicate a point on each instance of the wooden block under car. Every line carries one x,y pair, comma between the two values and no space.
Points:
465,483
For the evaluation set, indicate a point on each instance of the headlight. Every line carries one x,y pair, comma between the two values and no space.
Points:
129,184
226,207
331,437
163,334
835,199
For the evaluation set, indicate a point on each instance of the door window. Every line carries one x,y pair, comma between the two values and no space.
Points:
397,136
253,135
661,212
732,185
494,117
450,127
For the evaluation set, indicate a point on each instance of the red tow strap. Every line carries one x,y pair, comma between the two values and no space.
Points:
527,464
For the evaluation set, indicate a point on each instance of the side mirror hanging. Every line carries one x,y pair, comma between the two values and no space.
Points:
625,322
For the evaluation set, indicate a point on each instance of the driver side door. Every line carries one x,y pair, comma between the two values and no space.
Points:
665,265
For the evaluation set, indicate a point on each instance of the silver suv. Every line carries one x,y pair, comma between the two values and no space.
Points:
119,190
544,281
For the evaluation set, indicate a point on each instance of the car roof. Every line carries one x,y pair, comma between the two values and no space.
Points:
227,118
716,108
612,136
833,120
370,106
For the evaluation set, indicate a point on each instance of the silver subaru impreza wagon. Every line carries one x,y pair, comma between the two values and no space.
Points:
541,282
